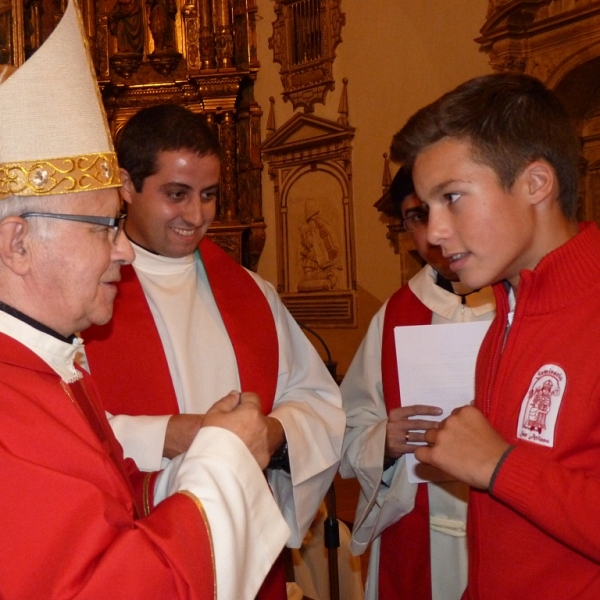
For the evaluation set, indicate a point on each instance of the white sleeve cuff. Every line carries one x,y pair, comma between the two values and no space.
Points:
247,529
142,438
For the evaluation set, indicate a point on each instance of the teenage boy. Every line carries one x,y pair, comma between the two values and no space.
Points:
418,531
190,322
496,163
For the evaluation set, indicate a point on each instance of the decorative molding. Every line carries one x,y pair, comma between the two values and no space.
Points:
310,164
305,36
333,309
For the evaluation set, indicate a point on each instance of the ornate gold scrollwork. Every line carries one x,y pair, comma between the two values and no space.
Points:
60,176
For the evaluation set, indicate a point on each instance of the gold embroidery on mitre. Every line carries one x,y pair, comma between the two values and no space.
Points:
60,175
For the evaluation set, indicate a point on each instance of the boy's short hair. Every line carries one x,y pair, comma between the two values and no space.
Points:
401,187
509,120
156,129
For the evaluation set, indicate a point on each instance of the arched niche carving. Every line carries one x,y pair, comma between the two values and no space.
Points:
310,164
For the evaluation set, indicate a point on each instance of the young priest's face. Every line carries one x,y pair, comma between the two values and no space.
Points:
487,233
176,205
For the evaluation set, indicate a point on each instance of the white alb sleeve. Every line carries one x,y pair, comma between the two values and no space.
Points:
247,529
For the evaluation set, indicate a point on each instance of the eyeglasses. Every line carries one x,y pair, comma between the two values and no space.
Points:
115,222
416,220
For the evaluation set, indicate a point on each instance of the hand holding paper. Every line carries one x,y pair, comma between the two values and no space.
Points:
465,446
404,430
436,366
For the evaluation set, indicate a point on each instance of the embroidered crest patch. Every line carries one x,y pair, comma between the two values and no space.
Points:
539,409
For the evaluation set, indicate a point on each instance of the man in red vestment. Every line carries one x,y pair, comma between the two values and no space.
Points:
418,531
78,519
190,324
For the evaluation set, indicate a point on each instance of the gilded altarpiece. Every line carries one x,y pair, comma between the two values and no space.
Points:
310,163
197,53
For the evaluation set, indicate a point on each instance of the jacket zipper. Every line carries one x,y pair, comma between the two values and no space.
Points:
500,345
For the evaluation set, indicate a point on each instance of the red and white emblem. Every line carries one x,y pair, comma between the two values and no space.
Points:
539,409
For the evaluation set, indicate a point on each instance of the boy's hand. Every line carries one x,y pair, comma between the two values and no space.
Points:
465,446
402,431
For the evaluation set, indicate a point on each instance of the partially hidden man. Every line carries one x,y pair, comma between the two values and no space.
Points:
79,521
191,324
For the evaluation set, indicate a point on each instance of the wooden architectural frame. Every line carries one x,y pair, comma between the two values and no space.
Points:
304,151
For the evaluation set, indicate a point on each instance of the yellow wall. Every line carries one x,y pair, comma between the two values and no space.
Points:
397,55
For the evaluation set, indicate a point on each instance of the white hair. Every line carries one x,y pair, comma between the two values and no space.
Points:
14,206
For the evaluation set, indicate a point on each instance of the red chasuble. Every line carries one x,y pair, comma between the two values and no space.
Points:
405,554
68,524
131,370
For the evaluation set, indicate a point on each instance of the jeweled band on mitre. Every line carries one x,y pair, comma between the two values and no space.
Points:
60,175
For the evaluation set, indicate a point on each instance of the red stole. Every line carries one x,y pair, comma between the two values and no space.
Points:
130,367
405,554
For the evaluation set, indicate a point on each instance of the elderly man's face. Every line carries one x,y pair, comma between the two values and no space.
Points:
75,271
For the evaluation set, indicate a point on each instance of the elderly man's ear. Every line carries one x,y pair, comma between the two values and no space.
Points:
127,188
15,244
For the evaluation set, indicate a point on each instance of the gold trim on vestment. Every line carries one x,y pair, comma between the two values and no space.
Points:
68,392
60,175
146,498
205,519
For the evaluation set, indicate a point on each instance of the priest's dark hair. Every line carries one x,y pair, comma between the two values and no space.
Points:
162,128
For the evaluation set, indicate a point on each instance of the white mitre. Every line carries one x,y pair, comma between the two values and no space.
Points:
54,136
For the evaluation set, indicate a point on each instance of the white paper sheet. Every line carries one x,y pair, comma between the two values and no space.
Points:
436,366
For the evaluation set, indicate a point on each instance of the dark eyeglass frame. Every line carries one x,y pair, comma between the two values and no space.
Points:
115,222
411,225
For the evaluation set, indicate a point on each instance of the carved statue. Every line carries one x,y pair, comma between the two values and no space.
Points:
319,252
127,25
5,30
162,23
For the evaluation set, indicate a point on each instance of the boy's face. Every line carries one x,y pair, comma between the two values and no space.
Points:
432,255
486,232
176,205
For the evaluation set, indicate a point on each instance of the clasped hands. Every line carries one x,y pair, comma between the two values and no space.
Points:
237,412
464,445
